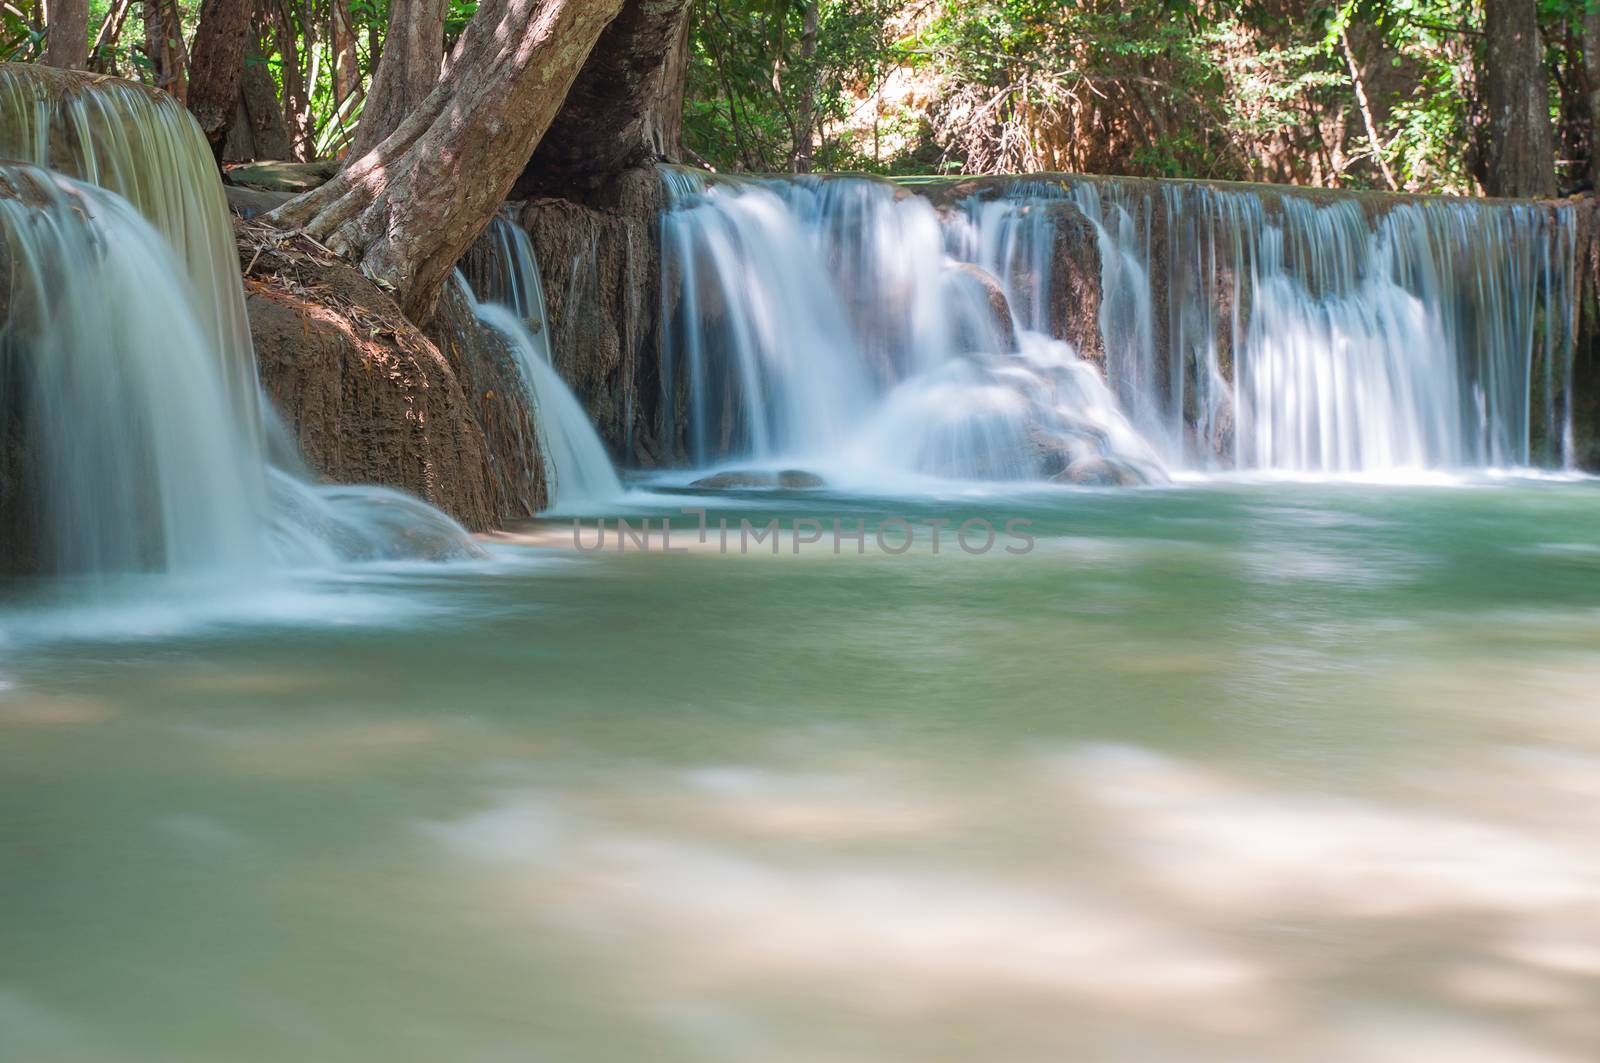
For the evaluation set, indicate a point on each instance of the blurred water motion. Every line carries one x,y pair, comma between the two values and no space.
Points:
1218,772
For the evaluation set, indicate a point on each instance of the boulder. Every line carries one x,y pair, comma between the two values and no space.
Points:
1100,472
1001,329
787,479
292,177
364,394
250,203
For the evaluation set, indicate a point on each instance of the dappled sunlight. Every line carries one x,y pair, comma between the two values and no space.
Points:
1109,880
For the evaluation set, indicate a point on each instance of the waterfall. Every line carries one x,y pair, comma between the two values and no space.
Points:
508,296
840,324
143,145
1235,326
134,460
136,438
1319,333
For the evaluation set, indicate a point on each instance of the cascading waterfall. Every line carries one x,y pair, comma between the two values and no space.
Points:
1242,327
134,461
830,323
141,144
138,439
508,297
1336,334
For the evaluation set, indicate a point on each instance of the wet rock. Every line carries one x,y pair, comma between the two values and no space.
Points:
365,395
498,396
1100,472
1585,394
292,177
1002,327
788,479
1074,297
599,259
250,203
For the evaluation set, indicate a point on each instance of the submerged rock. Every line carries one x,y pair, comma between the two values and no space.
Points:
789,479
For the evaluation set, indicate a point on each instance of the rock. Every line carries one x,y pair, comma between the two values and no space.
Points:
249,203
1001,333
1100,472
498,396
788,479
365,395
600,263
1074,296
799,479
294,177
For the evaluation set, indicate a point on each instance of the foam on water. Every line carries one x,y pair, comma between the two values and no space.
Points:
845,322
834,324
146,458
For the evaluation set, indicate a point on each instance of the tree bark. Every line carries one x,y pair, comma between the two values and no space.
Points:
1591,72
259,129
163,28
346,63
1367,120
408,209
101,56
218,66
296,98
413,51
1521,155
626,106
806,108
67,45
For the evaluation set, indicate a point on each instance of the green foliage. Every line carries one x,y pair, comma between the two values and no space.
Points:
750,71
21,40
1264,89
1352,93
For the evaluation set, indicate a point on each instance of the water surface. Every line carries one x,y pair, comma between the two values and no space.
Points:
1226,771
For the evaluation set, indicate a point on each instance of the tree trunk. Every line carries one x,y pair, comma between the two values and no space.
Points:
625,108
806,108
1521,155
163,29
1359,85
67,45
346,63
409,208
259,129
218,66
102,55
413,50
1591,73
296,94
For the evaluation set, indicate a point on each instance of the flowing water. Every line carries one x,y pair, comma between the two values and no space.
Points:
925,764
145,446
1242,327
1220,771
510,300
1363,335
821,323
